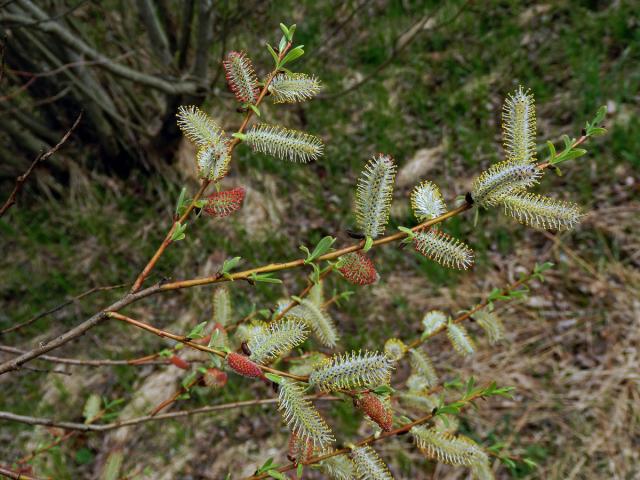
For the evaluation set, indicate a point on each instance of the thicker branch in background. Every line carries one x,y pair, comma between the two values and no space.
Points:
157,36
22,179
149,360
74,42
84,427
59,307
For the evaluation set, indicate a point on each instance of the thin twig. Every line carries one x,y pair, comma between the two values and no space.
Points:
21,180
84,427
188,342
60,307
148,360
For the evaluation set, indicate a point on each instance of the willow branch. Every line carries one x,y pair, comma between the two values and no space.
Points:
21,180
84,427
205,183
218,278
196,346
148,360
369,440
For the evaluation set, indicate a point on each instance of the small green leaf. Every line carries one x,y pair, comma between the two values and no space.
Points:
264,278
299,470
368,243
596,131
285,30
383,390
197,331
600,114
229,264
322,247
273,377
188,379
239,136
180,204
178,233
276,474
273,54
282,44
552,149
255,109
292,55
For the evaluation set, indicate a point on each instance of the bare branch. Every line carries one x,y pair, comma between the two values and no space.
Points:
60,307
21,180
157,35
84,427
57,29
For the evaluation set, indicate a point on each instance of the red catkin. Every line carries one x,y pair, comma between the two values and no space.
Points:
370,404
178,362
223,204
358,269
243,366
215,378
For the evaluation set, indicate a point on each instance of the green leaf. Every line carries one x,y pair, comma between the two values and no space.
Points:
368,243
264,278
197,331
285,30
600,114
273,54
178,233
596,131
383,390
239,136
91,407
552,149
255,109
181,199
273,377
229,264
276,474
292,55
292,30
188,379
299,470
282,44
409,233
322,247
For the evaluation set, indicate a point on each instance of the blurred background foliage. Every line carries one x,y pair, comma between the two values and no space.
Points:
423,81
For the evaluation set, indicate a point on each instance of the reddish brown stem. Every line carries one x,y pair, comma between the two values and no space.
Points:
205,183
194,345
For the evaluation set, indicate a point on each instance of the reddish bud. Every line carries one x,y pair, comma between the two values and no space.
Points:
215,378
243,366
178,362
223,204
375,409
358,269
